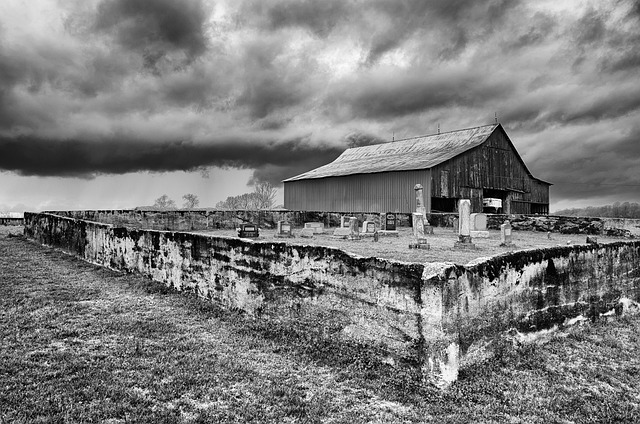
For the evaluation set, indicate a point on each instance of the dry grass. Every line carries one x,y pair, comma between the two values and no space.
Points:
441,244
85,344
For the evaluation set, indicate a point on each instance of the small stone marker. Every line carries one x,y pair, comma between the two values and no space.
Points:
352,232
505,235
307,233
479,225
456,225
417,219
344,221
390,221
316,227
248,231
283,230
464,228
368,228
592,240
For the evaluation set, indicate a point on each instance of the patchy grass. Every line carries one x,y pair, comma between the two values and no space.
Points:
441,244
80,343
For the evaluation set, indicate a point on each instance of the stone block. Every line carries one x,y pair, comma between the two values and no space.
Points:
316,227
307,233
388,233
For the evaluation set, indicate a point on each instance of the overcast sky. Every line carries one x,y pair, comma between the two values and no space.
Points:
112,103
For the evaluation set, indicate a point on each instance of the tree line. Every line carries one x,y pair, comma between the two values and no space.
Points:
617,210
263,197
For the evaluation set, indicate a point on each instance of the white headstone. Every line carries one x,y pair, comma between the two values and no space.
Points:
316,227
464,217
369,227
418,225
420,208
478,222
505,234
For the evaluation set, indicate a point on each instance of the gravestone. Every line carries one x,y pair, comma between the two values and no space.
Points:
307,233
283,230
417,219
344,221
456,225
479,225
368,228
248,231
505,235
316,227
352,232
390,221
592,240
420,208
464,226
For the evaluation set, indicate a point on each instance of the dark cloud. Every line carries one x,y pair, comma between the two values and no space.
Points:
155,26
319,17
120,154
383,96
540,27
592,166
275,173
591,27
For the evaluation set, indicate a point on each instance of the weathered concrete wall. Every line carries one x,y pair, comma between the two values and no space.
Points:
429,312
375,299
534,289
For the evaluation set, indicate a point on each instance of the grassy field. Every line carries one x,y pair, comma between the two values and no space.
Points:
80,343
441,244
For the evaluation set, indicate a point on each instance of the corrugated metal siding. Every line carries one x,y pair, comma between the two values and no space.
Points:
381,192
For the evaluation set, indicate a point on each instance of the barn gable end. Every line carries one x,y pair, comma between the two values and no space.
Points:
474,163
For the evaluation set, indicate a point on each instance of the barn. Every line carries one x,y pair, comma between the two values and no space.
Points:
480,164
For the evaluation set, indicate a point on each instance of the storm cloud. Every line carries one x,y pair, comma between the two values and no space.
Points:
278,87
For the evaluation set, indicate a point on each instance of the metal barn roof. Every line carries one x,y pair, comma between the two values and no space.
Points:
402,155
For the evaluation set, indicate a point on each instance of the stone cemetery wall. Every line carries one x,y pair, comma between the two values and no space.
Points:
430,312
370,299
532,290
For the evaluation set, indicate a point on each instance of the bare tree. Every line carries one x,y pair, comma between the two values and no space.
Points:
265,194
190,201
163,202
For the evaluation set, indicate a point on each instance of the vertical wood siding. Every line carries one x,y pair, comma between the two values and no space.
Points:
379,192
493,165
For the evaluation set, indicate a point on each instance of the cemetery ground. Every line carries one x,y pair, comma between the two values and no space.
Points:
80,343
441,243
